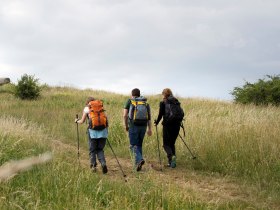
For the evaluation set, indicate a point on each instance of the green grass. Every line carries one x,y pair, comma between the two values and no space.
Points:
61,184
228,139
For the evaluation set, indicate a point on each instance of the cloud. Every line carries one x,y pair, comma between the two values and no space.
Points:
195,47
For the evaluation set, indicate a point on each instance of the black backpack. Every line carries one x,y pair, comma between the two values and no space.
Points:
173,111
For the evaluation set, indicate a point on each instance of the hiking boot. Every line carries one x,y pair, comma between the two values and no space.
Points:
173,162
93,165
104,169
139,166
168,165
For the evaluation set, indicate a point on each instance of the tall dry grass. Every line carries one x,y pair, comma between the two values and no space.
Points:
229,139
234,139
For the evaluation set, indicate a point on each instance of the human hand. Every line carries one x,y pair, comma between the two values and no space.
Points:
149,132
76,120
155,123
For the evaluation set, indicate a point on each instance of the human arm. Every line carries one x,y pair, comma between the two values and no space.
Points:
125,114
84,116
160,113
82,120
149,132
125,119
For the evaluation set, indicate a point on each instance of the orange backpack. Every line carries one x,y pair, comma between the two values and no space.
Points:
97,116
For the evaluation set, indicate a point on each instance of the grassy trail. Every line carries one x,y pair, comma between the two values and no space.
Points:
207,188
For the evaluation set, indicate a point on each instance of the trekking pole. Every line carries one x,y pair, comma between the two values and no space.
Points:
116,159
78,139
158,149
193,157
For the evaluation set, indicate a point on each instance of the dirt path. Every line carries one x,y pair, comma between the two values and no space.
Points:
210,188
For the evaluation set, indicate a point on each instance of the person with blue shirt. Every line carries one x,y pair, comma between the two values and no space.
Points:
136,131
96,139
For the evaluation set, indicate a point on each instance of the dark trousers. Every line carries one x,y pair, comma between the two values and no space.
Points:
170,134
96,148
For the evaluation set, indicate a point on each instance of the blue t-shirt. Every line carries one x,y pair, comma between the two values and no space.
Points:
97,134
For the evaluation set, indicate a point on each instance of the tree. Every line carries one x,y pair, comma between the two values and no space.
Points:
265,91
28,87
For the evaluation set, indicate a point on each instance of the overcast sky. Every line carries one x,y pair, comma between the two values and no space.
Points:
197,48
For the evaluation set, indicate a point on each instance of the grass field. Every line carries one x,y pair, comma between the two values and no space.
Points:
237,149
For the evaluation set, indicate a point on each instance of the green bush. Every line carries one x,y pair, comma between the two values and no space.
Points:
263,92
27,87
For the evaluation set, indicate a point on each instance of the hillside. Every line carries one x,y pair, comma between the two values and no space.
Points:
237,165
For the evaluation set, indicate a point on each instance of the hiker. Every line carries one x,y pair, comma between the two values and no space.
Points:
97,134
137,116
171,127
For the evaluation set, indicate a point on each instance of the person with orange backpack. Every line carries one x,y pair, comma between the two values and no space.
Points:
97,131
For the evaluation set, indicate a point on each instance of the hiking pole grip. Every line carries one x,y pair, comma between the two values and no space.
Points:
78,139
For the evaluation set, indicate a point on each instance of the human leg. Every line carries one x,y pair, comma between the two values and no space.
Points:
174,132
101,142
136,136
166,143
139,159
92,152
99,150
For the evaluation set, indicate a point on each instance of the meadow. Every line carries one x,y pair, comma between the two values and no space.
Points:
237,149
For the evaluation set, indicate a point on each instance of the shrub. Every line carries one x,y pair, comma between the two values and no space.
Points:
263,92
27,88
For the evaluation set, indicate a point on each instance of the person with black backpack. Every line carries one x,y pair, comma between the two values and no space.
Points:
172,114
137,117
97,132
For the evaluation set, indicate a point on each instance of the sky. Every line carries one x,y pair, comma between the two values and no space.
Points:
201,48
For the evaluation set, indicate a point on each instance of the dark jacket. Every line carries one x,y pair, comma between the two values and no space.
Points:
161,113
